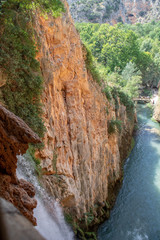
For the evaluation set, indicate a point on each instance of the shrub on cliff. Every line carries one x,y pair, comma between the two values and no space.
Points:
114,125
91,65
22,91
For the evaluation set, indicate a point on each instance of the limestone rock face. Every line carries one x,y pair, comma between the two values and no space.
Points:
156,114
80,159
14,138
126,11
134,9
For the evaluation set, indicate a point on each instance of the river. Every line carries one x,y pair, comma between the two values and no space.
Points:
136,214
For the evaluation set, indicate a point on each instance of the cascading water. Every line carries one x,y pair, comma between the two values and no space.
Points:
50,219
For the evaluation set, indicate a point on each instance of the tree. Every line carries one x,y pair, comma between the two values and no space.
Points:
132,76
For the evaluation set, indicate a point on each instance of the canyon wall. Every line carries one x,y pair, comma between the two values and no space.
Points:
156,113
14,138
81,161
107,11
131,10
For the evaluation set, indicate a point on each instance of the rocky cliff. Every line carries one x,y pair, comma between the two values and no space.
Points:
14,138
156,113
126,11
81,161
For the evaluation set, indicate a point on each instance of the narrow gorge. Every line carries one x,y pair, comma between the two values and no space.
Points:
80,159
77,128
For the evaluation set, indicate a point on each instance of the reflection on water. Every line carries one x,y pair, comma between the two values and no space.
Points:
136,215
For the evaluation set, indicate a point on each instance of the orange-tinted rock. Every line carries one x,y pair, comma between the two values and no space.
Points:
14,138
80,159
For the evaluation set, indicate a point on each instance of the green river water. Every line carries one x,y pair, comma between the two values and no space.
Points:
136,214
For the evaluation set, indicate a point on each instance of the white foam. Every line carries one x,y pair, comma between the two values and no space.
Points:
49,215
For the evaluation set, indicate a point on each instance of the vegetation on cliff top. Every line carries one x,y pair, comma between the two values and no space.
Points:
123,58
22,91
126,54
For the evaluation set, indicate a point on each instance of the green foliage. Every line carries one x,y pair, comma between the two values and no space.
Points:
115,92
54,161
91,235
130,71
84,235
149,55
107,91
30,155
91,65
68,218
132,78
112,46
119,49
126,100
107,205
89,217
132,146
107,111
147,92
114,126
55,7
120,45
23,89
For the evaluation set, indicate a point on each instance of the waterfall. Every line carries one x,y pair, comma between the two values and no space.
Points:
50,219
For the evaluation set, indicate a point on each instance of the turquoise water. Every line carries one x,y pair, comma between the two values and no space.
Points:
136,215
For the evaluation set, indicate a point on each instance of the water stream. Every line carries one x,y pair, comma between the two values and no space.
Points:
136,214
50,219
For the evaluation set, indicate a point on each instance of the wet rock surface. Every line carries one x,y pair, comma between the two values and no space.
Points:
14,138
15,226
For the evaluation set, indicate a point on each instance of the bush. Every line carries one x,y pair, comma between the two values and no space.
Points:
115,92
107,92
30,155
23,89
114,125
90,65
126,101
55,7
